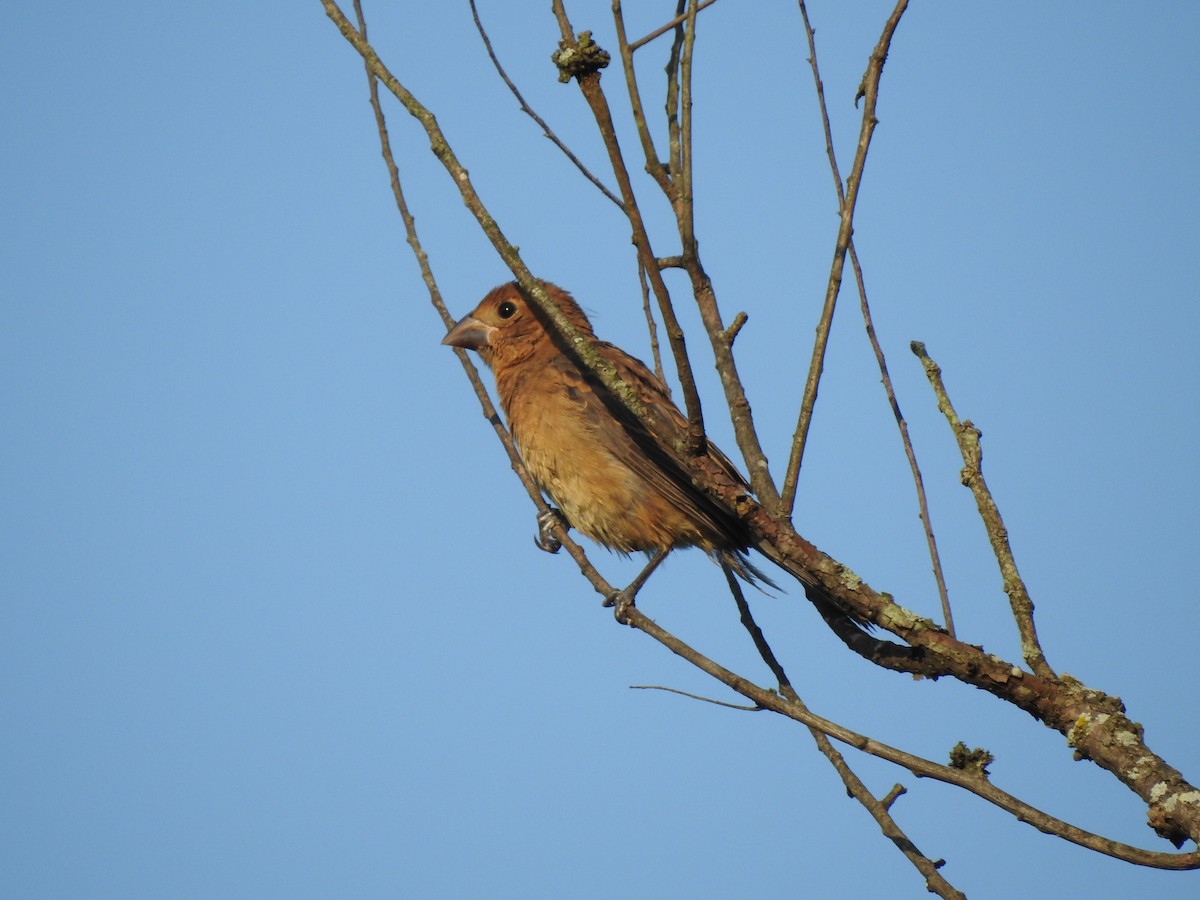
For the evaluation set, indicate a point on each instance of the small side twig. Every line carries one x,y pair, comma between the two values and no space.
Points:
714,702
652,329
735,326
823,331
968,436
897,791
660,31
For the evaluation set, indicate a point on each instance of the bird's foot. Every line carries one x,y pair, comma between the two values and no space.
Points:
622,602
547,522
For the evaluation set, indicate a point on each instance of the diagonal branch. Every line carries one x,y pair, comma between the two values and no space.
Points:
879,810
968,436
529,111
660,31
975,784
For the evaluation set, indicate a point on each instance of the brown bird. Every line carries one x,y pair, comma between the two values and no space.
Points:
609,477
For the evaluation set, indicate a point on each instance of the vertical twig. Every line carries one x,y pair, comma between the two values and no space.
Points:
654,165
869,89
823,331
678,109
674,144
652,329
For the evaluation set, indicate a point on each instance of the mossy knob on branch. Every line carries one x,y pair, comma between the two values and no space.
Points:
580,58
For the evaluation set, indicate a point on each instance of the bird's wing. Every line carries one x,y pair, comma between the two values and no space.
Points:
669,418
630,442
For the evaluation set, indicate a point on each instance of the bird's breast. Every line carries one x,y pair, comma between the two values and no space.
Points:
579,454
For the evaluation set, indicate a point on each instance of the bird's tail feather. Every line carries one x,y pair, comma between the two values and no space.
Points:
846,624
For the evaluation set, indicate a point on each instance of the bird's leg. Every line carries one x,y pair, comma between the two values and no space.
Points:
622,600
547,521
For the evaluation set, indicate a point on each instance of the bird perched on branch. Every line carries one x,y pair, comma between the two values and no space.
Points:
608,475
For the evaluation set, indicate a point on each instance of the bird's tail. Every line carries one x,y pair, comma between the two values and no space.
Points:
850,628
739,563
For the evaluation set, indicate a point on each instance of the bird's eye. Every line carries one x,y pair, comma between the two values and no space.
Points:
506,310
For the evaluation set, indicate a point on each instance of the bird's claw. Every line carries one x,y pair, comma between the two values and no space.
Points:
547,522
621,602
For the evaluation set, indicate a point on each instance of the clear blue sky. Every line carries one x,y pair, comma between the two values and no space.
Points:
273,624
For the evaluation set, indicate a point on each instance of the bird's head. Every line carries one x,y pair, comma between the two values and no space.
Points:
505,326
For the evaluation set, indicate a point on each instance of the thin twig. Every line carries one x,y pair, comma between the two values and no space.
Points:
811,34
671,690
922,503
823,331
870,91
659,32
677,187
967,436
654,165
674,143
528,110
652,329
684,200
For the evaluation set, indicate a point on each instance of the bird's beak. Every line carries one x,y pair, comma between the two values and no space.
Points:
469,333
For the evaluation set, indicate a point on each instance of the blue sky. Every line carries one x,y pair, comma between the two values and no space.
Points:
273,624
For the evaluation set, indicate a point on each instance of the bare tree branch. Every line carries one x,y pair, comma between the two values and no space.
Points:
529,111
823,331
879,809
920,767
870,91
968,436
660,31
